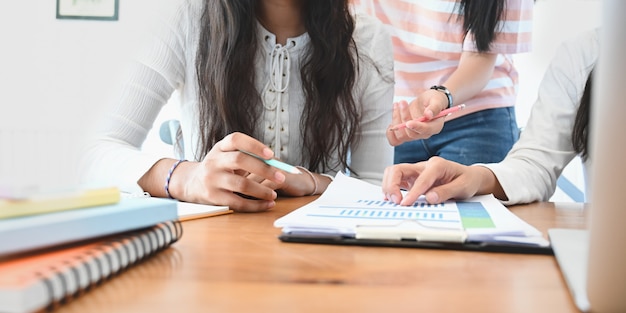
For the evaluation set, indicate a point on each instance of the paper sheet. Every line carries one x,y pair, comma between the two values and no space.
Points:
349,203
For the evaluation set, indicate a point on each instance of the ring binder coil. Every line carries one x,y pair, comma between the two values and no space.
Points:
50,279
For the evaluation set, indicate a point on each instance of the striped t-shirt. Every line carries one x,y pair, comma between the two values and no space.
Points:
428,41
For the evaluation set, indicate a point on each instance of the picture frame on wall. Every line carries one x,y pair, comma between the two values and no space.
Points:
106,10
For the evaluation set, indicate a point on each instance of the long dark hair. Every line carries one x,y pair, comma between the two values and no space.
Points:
580,132
230,102
481,18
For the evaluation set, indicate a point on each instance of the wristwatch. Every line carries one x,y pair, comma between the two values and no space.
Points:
446,92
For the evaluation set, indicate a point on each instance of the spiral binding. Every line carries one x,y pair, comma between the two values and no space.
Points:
105,261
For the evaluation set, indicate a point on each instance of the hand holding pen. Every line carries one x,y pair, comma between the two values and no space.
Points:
275,163
405,128
293,188
223,174
441,114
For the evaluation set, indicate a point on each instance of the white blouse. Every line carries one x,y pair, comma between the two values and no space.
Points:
167,64
530,170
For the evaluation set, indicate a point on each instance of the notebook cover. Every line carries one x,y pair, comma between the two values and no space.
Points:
45,230
59,201
33,281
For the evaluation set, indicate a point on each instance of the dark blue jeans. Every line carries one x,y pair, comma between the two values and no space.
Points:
482,137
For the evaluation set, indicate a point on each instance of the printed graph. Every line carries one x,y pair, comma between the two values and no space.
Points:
388,211
467,214
474,215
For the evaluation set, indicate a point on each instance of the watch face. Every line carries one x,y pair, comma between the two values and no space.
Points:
445,91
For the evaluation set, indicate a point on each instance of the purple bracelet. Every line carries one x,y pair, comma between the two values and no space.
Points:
169,176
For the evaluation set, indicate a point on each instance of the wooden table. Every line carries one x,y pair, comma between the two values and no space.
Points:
235,263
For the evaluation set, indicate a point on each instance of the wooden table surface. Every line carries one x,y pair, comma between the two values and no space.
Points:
235,263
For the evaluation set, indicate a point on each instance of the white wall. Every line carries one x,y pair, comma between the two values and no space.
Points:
55,78
57,75
554,21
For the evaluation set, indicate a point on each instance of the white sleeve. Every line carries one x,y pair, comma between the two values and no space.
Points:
530,170
374,94
114,156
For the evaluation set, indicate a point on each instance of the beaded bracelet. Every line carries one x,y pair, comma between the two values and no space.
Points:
312,177
169,176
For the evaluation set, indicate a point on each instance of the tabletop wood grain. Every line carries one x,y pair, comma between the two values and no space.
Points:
235,263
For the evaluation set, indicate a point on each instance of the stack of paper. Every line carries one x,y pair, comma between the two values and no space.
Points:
189,211
354,211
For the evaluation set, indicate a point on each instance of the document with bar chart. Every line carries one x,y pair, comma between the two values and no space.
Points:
354,209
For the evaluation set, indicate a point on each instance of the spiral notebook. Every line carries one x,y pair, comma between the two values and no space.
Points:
37,281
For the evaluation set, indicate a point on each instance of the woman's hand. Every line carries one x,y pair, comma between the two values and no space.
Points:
221,178
295,185
437,179
427,105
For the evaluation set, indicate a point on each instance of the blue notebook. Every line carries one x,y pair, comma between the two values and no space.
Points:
27,233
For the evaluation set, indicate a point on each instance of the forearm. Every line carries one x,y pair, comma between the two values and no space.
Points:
153,181
488,182
471,76
305,184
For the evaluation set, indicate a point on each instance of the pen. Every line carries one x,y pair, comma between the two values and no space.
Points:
441,114
277,164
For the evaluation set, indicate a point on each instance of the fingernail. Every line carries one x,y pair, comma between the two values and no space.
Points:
394,199
280,177
268,153
429,113
271,204
413,130
432,197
